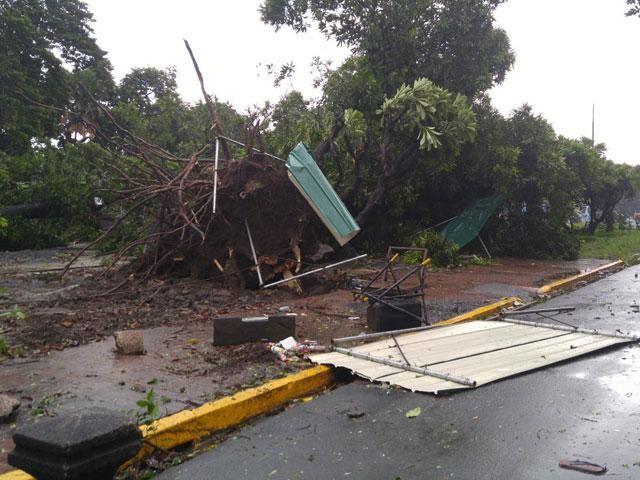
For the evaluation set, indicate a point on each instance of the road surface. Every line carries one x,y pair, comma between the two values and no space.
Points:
517,428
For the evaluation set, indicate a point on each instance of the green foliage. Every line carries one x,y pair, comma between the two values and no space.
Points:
603,184
453,43
148,409
64,181
530,237
421,106
43,406
443,252
45,46
479,261
16,313
145,87
613,245
634,8
355,125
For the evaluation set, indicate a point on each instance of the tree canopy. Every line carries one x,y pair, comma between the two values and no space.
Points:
47,47
455,44
404,128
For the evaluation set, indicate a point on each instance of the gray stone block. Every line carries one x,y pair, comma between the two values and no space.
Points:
236,330
89,444
8,408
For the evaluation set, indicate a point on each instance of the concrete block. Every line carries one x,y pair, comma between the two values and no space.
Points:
89,444
382,318
236,330
8,408
129,342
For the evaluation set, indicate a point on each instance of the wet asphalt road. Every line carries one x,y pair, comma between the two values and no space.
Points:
517,428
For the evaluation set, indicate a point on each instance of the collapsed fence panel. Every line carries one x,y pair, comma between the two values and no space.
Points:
481,351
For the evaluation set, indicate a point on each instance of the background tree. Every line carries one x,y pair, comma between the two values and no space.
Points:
455,44
47,48
603,184
634,7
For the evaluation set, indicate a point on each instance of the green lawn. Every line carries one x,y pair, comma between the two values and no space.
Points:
619,244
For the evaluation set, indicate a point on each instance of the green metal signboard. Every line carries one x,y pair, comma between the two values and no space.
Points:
466,226
305,174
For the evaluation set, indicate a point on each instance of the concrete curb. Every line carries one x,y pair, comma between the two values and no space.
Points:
190,425
16,475
565,283
479,313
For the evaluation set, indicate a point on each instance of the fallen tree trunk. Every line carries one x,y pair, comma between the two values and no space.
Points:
30,210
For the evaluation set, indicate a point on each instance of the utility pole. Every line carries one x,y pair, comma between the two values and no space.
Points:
593,125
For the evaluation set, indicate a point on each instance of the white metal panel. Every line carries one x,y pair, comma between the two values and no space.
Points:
484,351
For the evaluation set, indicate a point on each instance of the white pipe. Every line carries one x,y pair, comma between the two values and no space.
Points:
391,363
215,177
253,251
631,338
314,271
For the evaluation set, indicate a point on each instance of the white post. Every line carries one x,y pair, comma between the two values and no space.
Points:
215,177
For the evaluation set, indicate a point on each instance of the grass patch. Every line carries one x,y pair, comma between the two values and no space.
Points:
618,244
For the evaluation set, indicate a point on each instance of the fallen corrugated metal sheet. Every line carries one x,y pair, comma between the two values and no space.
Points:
307,177
483,351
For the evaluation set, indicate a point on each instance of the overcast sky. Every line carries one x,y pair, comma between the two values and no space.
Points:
569,55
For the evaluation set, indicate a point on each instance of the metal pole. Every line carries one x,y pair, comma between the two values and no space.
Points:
379,274
310,272
395,307
438,224
253,251
404,357
252,148
215,177
543,310
371,336
423,371
593,125
631,338
484,246
397,283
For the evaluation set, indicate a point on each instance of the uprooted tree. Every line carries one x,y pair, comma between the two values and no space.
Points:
171,199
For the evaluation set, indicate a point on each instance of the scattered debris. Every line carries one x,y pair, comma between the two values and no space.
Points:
129,342
582,466
355,412
290,347
391,307
8,407
414,412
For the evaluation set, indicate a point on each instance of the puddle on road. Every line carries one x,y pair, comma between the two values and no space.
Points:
627,383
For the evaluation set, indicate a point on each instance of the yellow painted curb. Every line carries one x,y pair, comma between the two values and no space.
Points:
481,312
16,475
189,425
570,281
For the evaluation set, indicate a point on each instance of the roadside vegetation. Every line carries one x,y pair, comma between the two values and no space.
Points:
404,128
623,244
